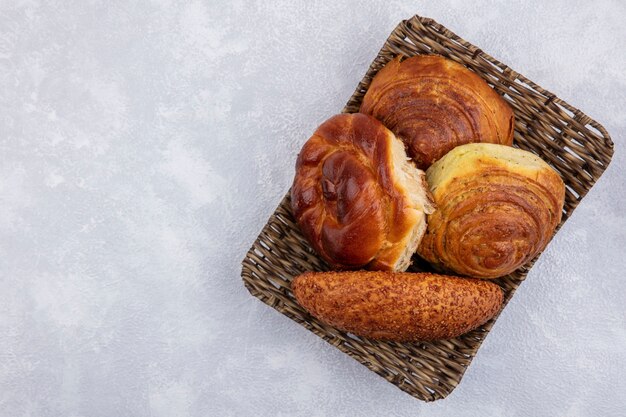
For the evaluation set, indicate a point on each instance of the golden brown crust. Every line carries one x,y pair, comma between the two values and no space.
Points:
346,196
498,208
398,306
434,104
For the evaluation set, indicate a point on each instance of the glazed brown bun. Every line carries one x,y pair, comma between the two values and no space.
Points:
498,207
398,306
434,104
357,197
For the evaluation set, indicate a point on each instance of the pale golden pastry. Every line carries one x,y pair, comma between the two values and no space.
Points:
400,307
434,104
498,208
357,197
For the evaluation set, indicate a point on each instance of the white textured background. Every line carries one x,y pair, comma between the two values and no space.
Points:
144,144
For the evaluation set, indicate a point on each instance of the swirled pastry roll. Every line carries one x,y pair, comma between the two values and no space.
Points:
434,104
498,207
357,197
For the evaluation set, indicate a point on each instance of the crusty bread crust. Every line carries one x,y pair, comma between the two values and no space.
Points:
356,196
398,306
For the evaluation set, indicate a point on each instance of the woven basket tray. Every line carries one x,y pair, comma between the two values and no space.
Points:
578,147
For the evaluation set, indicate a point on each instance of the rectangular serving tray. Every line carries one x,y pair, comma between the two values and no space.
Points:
578,147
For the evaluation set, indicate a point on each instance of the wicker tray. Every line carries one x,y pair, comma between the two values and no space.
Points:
578,147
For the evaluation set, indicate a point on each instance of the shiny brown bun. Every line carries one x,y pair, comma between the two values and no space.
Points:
356,196
498,207
398,306
434,104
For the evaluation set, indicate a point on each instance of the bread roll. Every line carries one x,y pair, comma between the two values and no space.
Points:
434,104
398,306
498,208
356,196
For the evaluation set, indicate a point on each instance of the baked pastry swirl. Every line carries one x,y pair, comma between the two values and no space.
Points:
498,207
434,104
357,197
